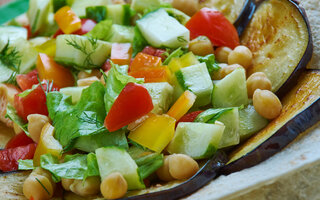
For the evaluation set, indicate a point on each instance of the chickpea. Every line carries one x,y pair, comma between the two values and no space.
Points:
222,54
66,183
114,186
266,104
190,7
182,166
163,172
39,185
90,186
94,72
240,55
201,46
87,81
228,70
258,80
35,124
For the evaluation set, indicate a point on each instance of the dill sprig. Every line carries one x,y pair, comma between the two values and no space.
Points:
43,186
81,46
49,85
10,57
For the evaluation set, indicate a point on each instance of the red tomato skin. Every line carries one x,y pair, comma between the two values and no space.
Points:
154,52
133,102
190,117
86,26
26,81
33,103
214,25
9,157
19,140
28,31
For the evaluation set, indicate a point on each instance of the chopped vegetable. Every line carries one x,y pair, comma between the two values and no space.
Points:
49,70
67,20
182,105
132,103
26,81
211,23
19,140
155,132
47,144
121,53
144,61
9,157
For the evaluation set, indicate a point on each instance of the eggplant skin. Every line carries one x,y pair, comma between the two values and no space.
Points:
278,37
301,108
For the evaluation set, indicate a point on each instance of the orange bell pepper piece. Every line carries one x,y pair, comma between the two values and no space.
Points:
48,69
121,53
182,105
67,20
160,74
144,61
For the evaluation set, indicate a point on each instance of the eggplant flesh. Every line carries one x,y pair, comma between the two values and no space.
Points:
278,37
301,108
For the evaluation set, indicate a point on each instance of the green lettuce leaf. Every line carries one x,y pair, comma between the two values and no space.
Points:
13,116
73,167
83,119
101,31
139,42
96,13
115,82
92,164
175,54
25,165
148,162
210,61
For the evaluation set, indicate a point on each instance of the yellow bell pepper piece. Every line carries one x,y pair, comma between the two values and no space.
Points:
184,61
49,48
155,132
47,144
182,105
67,20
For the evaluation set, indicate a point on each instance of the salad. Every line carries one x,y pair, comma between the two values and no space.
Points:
107,97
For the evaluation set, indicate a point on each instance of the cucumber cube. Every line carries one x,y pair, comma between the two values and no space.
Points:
92,53
114,159
79,6
74,92
161,94
121,34
195,78
231,91
161,30
250,122
38,14
141,5
198,140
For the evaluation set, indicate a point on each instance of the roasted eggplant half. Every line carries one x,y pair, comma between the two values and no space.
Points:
280,39
278,34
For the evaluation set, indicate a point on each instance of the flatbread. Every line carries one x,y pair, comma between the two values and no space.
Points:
312,8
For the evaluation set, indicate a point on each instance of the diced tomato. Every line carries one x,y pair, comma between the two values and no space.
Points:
121,53
133,102
86,26
50,70
213,24
26,81
190,117
28,30
34,102
106,66
59,32
155,52
19,140
9,157
144,62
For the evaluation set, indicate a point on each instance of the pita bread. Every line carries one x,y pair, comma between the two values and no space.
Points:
312,8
